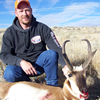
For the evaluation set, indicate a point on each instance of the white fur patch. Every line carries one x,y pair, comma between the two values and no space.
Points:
21,91
77,68
65,98
71,91
74,88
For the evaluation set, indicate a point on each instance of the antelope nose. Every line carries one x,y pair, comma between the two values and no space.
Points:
84,90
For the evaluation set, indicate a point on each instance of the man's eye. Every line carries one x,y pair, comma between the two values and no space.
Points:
20,11
28,10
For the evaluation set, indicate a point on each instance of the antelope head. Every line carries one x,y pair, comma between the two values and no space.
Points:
76,75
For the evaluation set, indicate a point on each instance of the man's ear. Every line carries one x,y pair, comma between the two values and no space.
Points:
16,12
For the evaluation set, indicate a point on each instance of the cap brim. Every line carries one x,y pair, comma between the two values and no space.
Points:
21,2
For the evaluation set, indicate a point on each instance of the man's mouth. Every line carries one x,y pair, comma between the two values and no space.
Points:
25,18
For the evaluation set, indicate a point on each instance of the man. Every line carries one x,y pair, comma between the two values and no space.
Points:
24,48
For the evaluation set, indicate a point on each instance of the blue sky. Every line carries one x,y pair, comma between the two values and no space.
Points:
56,12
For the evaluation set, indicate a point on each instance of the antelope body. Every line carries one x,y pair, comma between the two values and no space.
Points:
74,87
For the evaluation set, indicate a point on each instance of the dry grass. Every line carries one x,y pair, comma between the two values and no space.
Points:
1,34
77,49
77,52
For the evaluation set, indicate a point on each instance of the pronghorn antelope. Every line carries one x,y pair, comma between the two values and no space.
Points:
74,86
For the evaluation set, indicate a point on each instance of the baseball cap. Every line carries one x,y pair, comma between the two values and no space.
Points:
17,2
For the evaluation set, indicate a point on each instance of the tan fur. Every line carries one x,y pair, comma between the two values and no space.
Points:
57,92
67,94
4,88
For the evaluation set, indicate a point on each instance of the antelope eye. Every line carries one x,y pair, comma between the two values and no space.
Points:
70,75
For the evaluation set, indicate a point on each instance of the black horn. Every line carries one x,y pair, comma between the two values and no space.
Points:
65,56
90,55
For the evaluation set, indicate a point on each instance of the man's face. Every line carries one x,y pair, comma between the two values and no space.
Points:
24,14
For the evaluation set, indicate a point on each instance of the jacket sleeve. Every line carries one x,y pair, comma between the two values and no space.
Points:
52,43
7,54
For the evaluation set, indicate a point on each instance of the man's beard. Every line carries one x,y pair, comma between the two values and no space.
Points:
26,22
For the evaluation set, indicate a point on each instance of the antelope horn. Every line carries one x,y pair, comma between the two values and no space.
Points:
65,56
90,55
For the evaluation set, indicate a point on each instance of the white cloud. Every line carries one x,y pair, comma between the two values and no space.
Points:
79,13
9,4
89,21
4,25
53,2
50,3
76,14
7,13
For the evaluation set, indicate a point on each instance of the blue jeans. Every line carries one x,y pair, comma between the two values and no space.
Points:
47,62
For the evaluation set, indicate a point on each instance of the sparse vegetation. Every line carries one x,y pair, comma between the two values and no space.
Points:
77,52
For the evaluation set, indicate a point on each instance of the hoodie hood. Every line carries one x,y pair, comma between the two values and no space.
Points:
17,26
27,33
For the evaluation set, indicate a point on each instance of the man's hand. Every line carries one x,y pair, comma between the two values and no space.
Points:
65,70
27,67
